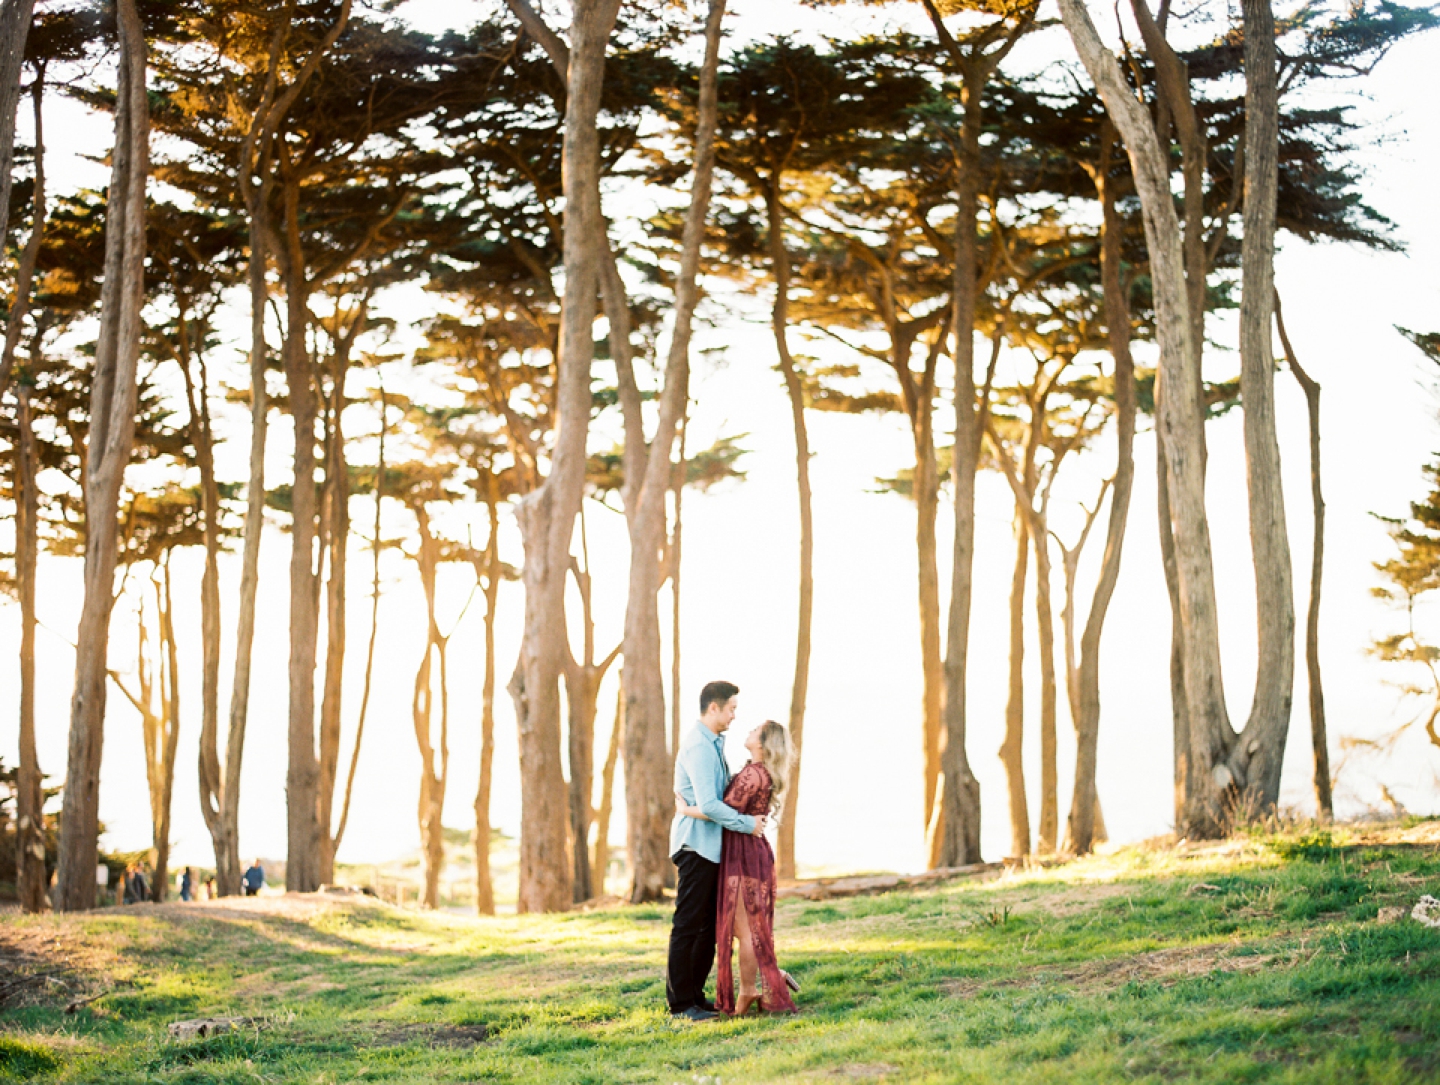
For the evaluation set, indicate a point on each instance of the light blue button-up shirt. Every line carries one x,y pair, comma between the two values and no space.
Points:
701,775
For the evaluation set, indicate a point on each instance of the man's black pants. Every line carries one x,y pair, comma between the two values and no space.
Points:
692,934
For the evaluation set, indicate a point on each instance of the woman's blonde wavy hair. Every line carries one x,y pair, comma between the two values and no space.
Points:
775,756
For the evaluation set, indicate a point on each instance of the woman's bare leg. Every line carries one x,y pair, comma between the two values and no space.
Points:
748,965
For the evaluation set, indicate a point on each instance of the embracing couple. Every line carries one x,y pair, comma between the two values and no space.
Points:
725,870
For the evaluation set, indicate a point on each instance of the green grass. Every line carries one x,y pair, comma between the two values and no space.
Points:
1256,961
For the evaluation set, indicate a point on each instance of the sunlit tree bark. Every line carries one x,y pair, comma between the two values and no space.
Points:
112,430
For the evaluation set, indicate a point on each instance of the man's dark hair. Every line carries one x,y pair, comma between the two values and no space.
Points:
716,693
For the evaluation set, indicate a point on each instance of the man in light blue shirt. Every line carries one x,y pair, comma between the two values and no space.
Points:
701,776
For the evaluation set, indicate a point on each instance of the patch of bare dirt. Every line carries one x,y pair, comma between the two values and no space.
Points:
43,963
1165,966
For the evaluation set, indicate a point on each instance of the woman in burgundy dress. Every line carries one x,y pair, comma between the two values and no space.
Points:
746,898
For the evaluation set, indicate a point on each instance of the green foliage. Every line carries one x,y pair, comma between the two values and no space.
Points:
22,1061
1314,846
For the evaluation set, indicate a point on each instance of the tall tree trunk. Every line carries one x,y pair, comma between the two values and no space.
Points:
799,689
956,840
1319,744
337,509
1256,758
677,539
374,634
15,19
1181,419
30,875
1085,824
29,797
547,515
112,431
648,774
484,887
601,860
927,503
302,866
1012,749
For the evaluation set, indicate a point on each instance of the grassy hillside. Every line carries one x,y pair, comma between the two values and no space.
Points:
1255,960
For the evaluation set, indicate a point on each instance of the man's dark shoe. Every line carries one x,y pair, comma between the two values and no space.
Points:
697,1013
706,1004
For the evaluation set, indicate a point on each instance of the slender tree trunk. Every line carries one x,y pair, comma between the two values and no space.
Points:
302,867
648,774
677,538
601,860
1012,749
1045,623
927,503
169,675
1181,419
337,485
29,797
484,887
956,840
374,634
1319,744
30,876
15,19
1086,824
799,689
112,430
1255,760
432,779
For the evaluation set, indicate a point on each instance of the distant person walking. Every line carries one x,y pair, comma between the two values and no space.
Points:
187,885
207,890
254,879
701,776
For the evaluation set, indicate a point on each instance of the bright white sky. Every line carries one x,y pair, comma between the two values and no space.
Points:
862,796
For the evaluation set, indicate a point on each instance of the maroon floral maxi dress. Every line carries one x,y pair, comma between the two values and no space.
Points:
747,879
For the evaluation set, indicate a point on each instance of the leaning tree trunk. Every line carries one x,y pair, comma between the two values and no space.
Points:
15,19
799,689
547,515
1012,748
1256,758
112,433
1085,803
1319,743
1180,424
956,840
302,777
29,791
648,774
484,886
